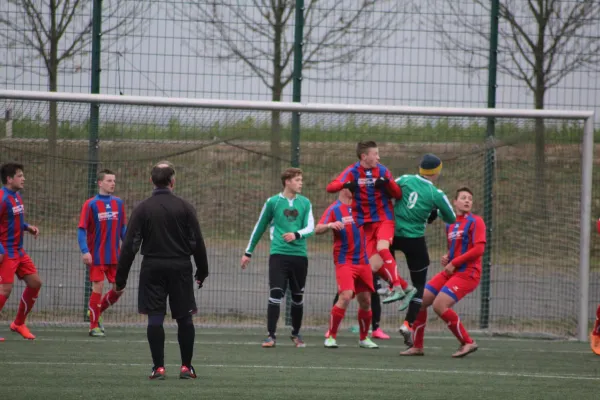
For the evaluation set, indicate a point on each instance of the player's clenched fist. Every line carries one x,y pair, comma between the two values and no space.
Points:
245,261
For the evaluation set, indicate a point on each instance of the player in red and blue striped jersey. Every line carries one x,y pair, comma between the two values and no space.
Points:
102,225
373,188
13,258
595,335
461,275
352,271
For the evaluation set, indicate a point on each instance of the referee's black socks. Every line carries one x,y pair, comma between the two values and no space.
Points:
186,333
156,339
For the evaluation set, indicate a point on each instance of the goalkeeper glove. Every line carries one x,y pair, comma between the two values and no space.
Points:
381,182
433,216
350,185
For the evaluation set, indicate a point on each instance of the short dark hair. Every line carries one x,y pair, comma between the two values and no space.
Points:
163,175
9,170
103,173
462,189
363,147
290,173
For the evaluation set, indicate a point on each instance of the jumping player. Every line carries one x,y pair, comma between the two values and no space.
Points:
352,271
13,258
420,204
461,275
373,188
290,219
102,225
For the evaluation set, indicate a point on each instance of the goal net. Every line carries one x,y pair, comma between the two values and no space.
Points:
526,179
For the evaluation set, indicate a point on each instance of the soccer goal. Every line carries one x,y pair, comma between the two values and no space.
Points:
531,175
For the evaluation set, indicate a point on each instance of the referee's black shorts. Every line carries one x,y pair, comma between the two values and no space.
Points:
162,278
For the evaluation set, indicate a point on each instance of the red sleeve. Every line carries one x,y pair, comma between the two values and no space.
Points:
338,183
394,189
598,225
85,215
326,217
478,231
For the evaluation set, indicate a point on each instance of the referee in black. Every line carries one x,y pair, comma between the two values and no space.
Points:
167,229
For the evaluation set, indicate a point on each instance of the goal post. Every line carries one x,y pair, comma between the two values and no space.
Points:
235,132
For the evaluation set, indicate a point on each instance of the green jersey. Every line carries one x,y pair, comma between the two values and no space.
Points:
419,198
283,215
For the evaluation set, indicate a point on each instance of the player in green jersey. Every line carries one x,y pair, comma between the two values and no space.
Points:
420,204
289,217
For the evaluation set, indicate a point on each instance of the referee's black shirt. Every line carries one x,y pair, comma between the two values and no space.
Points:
165,226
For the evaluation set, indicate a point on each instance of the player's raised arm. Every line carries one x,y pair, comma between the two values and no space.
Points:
392,187
345,180
445,208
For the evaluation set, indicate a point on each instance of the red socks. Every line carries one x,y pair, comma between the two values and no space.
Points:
419,328
364,322
335,319
27,301
108,300
2,301
391,270
95,308
596,330
456,327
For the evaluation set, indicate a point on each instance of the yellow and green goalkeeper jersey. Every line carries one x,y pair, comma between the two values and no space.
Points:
282,215
419,198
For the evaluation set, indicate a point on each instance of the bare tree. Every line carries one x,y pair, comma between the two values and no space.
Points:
56,31
540,42
259,35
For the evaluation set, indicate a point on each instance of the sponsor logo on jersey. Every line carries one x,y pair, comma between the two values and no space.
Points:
109,215
347,220
455,235
18,209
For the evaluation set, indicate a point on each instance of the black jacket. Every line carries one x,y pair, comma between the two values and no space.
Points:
166,227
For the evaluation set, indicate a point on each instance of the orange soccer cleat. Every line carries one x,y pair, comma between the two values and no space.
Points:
595,343
22,330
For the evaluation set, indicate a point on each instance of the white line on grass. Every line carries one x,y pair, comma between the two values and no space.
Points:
231,343
332,368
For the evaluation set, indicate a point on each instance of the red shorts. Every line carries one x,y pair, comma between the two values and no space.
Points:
358,278
20,266
376,231
456,286
97,273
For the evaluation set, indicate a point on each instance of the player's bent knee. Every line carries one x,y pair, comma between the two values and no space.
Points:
185,321
297,300
364,300
275,296
428,298
156,319
6,289
442,303
33,281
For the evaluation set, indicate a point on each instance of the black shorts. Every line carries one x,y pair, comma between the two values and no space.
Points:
415,251
284,269
162,278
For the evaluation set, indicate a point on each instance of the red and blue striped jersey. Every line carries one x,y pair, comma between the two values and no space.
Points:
349,244
466,242
103,218
12,223
370,204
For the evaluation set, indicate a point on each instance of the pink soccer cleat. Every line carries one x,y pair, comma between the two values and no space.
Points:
380,334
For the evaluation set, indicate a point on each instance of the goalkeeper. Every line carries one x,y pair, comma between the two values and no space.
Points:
420,204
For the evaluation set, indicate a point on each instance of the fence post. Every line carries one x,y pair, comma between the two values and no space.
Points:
490,160
93,145
296,96
8,120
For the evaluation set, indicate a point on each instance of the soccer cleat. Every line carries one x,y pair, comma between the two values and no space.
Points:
413,351
187,372
465,349
380,334
595,343
406,332
397,294
157,374
411,291
1,339
100,321
298,342
268,342
367,344
96,332
331,343
22,330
